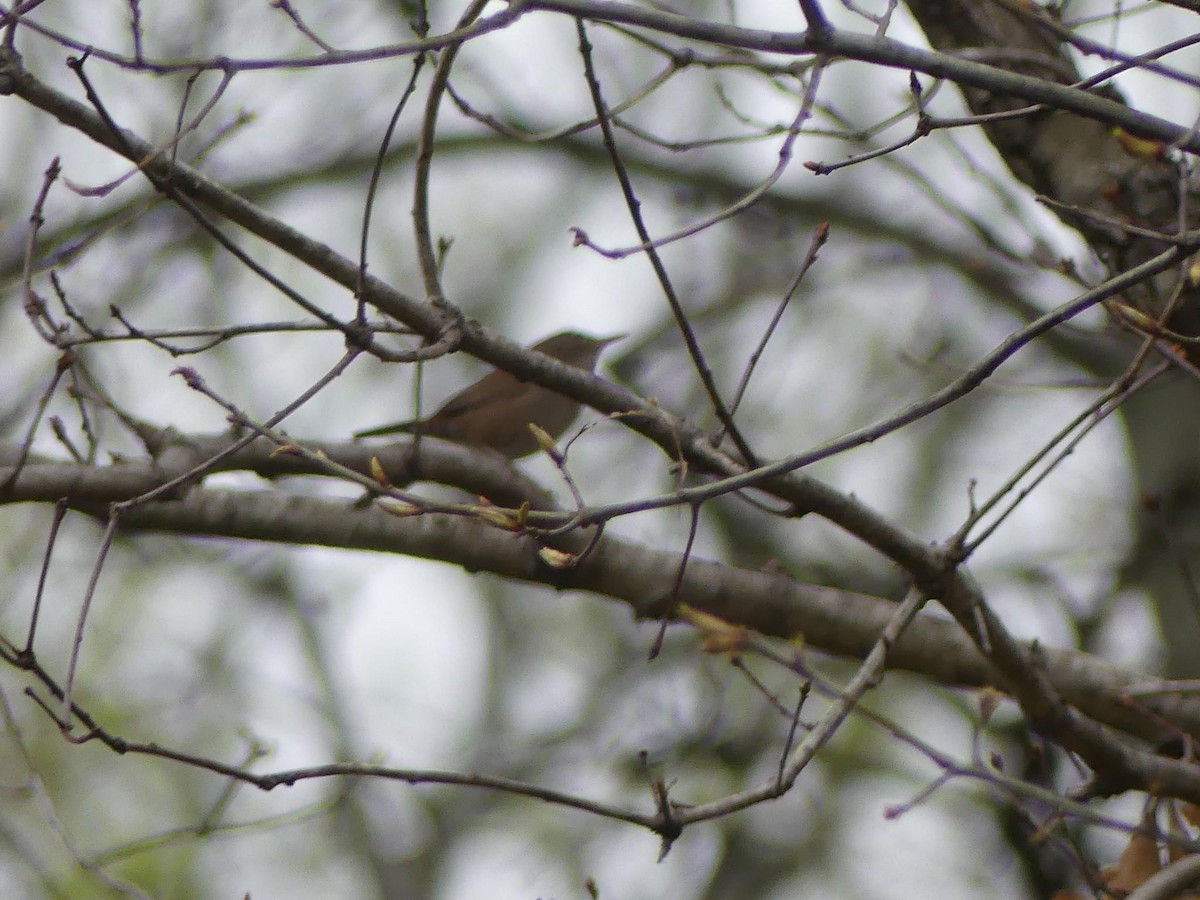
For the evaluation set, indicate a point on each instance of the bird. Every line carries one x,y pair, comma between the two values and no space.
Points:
495,412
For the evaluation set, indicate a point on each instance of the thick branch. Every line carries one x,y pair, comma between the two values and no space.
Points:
831,620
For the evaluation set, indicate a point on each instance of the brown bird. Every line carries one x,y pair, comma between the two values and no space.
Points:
496,410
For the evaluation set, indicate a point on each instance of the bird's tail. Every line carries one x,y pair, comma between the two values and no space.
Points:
381,430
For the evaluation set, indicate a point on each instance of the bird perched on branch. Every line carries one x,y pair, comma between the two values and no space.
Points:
496,411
